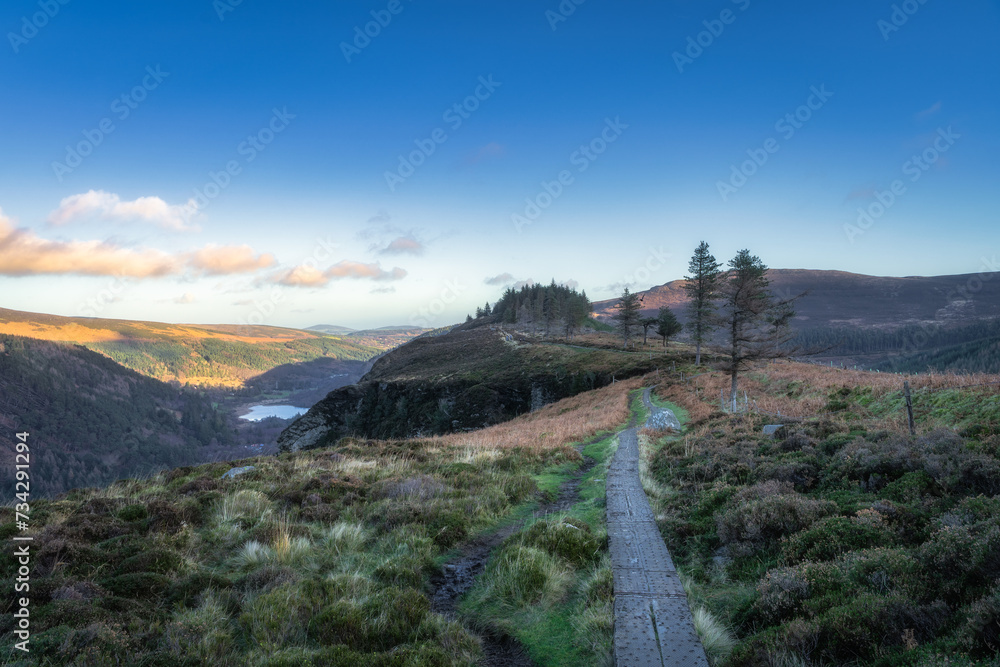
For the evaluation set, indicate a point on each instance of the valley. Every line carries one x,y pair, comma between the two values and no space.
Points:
458,500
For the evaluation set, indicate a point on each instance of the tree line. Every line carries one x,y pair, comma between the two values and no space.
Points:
544,308
738,301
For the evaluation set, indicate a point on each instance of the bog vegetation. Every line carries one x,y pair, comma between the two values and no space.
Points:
843,539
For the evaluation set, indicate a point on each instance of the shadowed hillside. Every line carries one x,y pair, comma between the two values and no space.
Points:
841,299
458,381
92,421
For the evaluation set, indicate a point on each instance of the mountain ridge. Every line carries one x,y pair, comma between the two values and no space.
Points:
841,298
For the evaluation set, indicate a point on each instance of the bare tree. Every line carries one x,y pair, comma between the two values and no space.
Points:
646,323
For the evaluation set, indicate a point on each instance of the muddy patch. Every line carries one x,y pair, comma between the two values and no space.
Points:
457,576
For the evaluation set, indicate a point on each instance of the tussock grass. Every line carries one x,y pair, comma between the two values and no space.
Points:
715,637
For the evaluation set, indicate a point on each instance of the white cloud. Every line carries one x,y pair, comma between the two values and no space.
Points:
225,260
24,253
306,275
108,206
502,279
404,245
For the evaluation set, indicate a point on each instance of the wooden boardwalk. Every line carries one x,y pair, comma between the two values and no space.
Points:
653,623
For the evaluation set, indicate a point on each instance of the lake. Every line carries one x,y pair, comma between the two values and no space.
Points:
258,412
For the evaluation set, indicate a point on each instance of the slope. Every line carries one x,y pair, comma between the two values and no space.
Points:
219,355
93,421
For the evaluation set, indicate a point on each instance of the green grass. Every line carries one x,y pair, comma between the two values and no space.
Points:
564,558
313,558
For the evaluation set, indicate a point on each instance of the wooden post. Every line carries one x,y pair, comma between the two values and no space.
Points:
909,407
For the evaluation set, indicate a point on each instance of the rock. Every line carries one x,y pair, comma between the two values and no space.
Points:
238,471
773,430
663,420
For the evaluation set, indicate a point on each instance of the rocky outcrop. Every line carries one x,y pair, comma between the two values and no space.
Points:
459,381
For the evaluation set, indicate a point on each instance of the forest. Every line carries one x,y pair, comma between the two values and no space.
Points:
971,348
93,421
548,308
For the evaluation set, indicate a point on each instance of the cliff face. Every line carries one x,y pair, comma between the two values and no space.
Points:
463,380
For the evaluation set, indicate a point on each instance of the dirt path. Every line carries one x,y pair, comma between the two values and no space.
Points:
653,624
458,575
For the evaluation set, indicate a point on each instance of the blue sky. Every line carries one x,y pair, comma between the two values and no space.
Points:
643,109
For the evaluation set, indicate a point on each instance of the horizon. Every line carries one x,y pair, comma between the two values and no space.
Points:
204,162
985,274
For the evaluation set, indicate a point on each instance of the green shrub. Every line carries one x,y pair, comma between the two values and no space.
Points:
133,513
829,538
162,561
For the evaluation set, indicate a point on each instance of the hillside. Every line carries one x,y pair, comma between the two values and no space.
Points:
841,299
333,558
208,355
458,381
93,421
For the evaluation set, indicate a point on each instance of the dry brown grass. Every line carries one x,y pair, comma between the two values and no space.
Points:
570,420
799,389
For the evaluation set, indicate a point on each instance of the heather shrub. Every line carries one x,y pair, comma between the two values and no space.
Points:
830,537
782,591
760,515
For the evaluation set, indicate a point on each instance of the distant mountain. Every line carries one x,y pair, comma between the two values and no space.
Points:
840,300
206,355
92,421
331,329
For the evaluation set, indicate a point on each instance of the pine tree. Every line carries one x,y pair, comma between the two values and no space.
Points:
667,325
756,322
702,288
627,314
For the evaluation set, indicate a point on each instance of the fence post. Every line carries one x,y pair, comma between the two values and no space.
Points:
909,407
